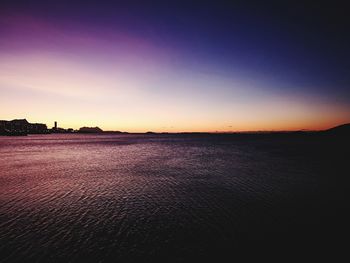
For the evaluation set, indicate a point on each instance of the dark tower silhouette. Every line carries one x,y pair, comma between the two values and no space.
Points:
55,125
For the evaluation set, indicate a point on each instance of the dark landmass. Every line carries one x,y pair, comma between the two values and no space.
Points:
61,130
21,127
341,129
90,130
114,132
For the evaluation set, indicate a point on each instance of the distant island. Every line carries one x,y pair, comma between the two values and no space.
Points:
90,130
21,127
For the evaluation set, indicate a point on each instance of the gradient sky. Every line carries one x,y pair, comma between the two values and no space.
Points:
175,66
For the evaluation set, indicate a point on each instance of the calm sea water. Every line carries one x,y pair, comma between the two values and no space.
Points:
167,197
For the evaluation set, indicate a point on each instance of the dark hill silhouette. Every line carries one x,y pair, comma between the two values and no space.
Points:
90,130
341,129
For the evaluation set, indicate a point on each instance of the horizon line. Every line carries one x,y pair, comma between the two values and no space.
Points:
194,131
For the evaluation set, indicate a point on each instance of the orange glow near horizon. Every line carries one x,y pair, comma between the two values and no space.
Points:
48,88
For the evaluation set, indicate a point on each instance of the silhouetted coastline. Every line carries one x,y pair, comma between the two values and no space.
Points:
21,127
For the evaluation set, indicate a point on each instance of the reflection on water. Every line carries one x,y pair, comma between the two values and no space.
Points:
170,197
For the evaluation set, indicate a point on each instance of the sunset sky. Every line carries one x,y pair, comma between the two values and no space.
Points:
178,66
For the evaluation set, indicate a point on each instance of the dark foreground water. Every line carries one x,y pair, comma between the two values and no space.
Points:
175,198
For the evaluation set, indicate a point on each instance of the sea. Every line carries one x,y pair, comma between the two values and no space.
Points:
173,197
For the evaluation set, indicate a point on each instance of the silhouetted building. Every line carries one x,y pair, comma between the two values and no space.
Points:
37,128
21,127
56,129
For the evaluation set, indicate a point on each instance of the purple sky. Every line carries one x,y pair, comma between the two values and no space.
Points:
156,67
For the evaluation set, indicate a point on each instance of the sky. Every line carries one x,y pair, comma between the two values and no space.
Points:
175,66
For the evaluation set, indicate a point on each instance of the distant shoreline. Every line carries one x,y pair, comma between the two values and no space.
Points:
21,127
240,134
